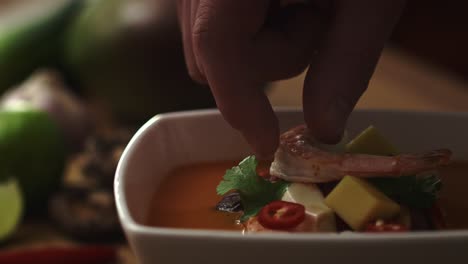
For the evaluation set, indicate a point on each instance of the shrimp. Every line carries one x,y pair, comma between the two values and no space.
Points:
300,158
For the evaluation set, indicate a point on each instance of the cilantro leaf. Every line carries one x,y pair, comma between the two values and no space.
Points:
413,191
255,192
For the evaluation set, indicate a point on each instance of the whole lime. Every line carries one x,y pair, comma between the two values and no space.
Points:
32,151
127,56
31,35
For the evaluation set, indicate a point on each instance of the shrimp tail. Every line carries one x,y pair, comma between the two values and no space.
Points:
301,158
410,164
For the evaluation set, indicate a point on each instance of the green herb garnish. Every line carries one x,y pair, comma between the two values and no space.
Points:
255,192
413,191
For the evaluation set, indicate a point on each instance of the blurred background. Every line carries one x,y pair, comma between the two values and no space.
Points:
126,55
98,69
436,33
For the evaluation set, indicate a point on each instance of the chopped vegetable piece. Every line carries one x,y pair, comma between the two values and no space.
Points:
255,192
263,169
281,215
264,173
357,202
230,203
371,141
381,226
309,195
11,208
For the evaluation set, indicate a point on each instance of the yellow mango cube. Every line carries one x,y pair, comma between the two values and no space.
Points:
371,141
358,203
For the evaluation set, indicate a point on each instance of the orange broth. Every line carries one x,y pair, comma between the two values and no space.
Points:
187,197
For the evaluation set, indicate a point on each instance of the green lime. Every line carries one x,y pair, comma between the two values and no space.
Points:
30,36
138,41
371,141
11,207
31,150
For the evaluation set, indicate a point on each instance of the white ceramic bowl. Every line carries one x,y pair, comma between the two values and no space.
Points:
169,140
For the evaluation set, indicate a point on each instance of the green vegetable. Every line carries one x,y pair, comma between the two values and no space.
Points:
416,192
413,191
32,151
11,207
139,41
30,36
255,192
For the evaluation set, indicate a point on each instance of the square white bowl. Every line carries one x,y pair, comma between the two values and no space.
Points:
173,139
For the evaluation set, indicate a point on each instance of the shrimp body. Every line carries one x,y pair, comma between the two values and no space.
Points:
301,159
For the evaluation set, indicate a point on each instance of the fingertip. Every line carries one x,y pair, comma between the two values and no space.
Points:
257,123
263,143
328,123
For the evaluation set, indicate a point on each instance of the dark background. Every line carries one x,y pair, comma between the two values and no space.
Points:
436,32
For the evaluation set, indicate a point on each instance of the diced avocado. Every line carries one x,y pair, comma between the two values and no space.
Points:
371,141
357,202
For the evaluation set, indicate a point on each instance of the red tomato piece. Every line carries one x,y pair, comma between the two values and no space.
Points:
281,215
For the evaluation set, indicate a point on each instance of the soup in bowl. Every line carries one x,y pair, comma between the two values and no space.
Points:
166,191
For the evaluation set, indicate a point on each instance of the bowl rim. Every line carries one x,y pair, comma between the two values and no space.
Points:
130,225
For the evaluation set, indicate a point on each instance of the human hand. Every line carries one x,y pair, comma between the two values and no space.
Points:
237,45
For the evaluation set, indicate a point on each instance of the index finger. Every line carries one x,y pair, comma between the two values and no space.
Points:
223,32
341,70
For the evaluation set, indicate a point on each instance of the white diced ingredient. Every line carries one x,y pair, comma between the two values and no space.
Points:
309,195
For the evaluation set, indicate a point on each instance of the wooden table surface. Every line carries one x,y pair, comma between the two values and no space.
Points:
400,82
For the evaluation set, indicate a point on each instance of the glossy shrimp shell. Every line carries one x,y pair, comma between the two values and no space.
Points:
301,159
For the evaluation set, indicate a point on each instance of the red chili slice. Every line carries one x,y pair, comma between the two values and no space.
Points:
438,219
263,172
385,227
263,169
281,215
